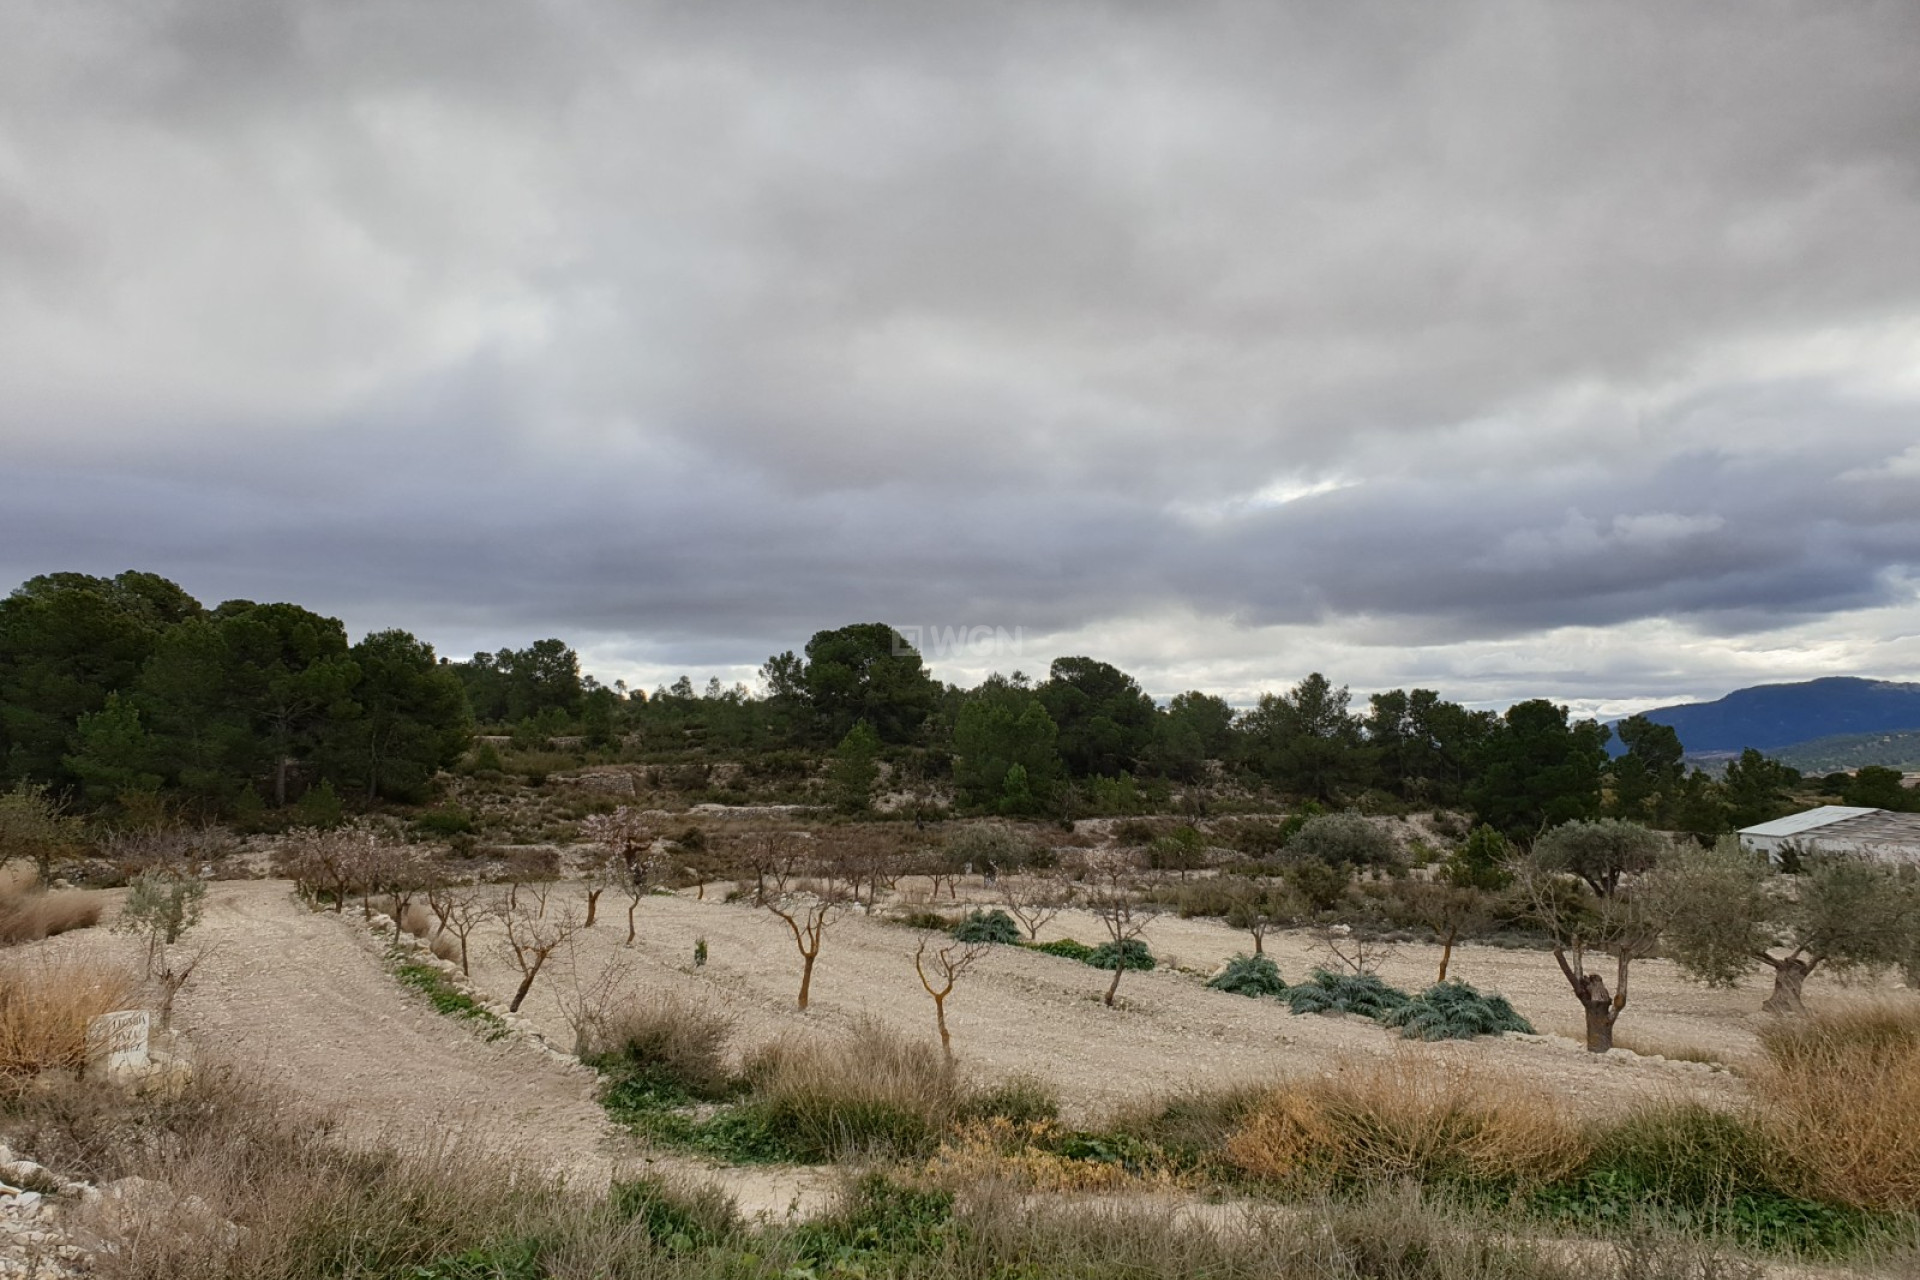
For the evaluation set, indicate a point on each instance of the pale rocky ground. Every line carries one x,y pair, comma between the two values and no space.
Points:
1020,1011
305,999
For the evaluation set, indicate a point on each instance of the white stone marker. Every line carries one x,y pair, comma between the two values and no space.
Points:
117,1042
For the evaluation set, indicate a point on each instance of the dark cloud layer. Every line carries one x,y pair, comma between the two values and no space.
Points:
1476,343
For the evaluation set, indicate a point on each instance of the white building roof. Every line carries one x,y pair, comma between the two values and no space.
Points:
1795,824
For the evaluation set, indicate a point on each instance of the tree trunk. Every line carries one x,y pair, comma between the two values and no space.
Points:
1789,976
1600,1020
806,977
631,908
1259,943
526,985
464,971
1119,967
940,1016
1446,954
593,906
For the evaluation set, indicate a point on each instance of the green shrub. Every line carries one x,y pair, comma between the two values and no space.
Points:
1249,976
1341,839
1022,1099
987,926
444,822
677,1220
877,1216
1066,949
925,920
1361,993
1454,1011
1705,1169
1131,954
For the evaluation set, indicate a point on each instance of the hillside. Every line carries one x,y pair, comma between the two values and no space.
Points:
1848,751
1776,716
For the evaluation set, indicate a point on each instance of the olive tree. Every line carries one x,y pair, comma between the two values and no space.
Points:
1341,839
34,825
1592,886
162,908
1730,912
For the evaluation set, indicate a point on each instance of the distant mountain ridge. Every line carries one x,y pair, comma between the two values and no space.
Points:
1899,749
1770,717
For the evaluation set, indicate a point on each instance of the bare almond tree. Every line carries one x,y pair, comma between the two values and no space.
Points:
1034,899
1123,913
628,839
595,877
939,973
1340,947
405,875
322,863
1260,907
1452,912
807,911
465,909
777,855
532,940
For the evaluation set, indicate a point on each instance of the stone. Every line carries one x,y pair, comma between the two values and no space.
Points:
117,1043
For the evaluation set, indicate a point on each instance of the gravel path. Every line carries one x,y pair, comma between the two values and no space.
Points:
305,999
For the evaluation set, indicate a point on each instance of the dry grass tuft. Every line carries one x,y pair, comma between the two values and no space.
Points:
29,917
1024,1154
1843,1089
446,947
1672,1050
45,1005
1408,1117
871,1090
666,1038
417,920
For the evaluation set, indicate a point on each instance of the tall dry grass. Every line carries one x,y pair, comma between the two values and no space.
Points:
45,1005
662,1037
28,914
1842,1093
223,1151
1408,1117
870,1091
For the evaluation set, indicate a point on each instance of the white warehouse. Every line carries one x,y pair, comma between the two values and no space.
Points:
1840,828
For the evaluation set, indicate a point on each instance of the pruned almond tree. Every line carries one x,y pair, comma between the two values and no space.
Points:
322,863
1122,912
1261,906
807,911
1034,899
532,940
462,910
628,840
1451,911
776,855
938,974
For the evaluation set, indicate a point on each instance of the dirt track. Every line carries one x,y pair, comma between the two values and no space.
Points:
306,998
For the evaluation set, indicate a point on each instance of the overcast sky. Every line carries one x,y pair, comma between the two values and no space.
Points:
1511,349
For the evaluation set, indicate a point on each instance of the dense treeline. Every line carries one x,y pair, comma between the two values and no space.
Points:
115,690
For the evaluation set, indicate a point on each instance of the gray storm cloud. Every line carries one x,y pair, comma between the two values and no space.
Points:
689,329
